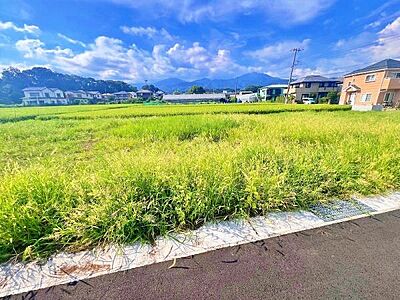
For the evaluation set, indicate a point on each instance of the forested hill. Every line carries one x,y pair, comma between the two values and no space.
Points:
13,80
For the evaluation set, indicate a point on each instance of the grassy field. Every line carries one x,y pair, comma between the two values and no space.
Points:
137,110
92,175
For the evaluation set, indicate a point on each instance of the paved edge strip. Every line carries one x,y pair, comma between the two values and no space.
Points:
16,278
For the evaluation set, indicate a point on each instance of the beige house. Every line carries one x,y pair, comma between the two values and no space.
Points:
313,87
374,87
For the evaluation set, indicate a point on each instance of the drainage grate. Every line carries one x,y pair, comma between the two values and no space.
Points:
340,209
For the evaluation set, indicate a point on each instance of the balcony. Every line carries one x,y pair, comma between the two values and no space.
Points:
391,84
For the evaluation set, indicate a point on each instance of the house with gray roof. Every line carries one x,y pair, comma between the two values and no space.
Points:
374,87
43,96
313,87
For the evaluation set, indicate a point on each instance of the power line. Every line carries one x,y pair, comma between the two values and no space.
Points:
295,51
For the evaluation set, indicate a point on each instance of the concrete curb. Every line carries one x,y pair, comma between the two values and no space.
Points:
64,268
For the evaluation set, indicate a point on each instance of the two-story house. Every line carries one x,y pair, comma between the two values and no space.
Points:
314,87
272,91
374,87
43,96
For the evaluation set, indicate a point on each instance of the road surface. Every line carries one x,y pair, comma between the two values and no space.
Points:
353,260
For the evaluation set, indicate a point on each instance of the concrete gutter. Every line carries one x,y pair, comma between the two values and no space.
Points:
16,278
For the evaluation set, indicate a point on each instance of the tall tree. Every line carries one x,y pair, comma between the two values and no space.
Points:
195,89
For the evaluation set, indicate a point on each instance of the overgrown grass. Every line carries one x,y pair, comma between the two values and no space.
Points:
71,184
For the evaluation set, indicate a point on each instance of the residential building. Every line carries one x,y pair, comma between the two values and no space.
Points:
94,95
144,94
193,98
313,86
43,96
122,96
247,97
272,91
374,87
159,94
132,95
79,94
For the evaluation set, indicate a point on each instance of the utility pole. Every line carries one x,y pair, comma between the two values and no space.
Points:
295,51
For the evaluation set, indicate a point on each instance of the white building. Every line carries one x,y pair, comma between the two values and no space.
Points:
43,96
192,98
80,94
122,96
245,98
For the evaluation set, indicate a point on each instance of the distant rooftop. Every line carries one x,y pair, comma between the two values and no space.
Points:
315,78
382,65
121,93
194,97
271,86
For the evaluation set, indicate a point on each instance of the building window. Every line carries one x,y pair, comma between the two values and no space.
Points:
321,84
307,85
396,75
297,86
366,97
388,100
370,78
34,95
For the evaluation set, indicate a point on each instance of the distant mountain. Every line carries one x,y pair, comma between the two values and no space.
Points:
174,84
13,80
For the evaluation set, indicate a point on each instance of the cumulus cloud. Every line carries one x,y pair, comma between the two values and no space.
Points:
388,43
109,58
34,48
32,29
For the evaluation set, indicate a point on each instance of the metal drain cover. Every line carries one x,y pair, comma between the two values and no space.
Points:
340,209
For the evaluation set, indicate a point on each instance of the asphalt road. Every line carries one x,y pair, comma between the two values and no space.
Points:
352,260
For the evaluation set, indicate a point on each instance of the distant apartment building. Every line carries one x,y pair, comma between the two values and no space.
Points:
272,91
81,94
122,96
43,96
144,94
313,87
373,87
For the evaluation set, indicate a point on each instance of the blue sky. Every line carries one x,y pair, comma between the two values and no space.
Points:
135,40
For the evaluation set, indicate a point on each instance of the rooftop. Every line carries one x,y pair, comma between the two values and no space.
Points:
194,97
314,78
271,86
382,65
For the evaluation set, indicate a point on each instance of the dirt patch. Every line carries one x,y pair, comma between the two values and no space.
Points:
86,268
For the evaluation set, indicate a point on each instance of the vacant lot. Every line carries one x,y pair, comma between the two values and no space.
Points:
78,177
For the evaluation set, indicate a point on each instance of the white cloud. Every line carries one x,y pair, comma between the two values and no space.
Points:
109,58
388,43
283,11
150,32
359,51
71,40
34,48
32,29
279,50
